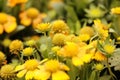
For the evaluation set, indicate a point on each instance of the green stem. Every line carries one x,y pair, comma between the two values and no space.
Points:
111,73
93,38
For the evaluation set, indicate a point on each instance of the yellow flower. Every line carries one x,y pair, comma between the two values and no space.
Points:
30,69
59,26
7,23
43,27
109,48
15,46
94,12
115,10
69,50
99,66
87,30
84,37
6,42
30,42
99,56
2,57
55,48
13,3
101,29
31,15
58,39
7,72
56,69
28,51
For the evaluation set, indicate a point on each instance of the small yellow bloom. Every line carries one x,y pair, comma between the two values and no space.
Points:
43,27
69,50
6,42
99,56
99,66
87,30
59,26
109,48
28,51
94,12
7,72
31,15
2,57
115,10
84,37
30,42
16,45
55,48
58,39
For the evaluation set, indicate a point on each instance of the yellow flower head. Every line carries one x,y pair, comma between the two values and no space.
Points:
6,42
7,23
84,37
59,26
7,72
55,48
99,56
43,27
58,39
94,12
28,66
87,30
99,66
28,51
16,45
109,48
115,10
32,70
32,12
2,57
71,49
30,42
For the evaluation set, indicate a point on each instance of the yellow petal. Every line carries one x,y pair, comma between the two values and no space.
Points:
60,75
77,61
64,67
21,73
19,67
10,27
41,75
29,75
1,29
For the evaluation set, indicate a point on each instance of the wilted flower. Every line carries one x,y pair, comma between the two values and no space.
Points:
7,23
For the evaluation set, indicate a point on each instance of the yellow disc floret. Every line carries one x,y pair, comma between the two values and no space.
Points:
109,48
43,27
31,64
28,51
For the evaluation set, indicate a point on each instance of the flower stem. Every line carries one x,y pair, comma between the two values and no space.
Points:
111,73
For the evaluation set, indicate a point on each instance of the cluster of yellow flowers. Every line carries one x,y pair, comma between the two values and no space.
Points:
47,57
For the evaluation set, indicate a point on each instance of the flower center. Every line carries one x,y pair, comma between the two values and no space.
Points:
31,64
3,18
32,13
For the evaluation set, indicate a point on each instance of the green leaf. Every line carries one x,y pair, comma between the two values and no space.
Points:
93,75
105,77
77,27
